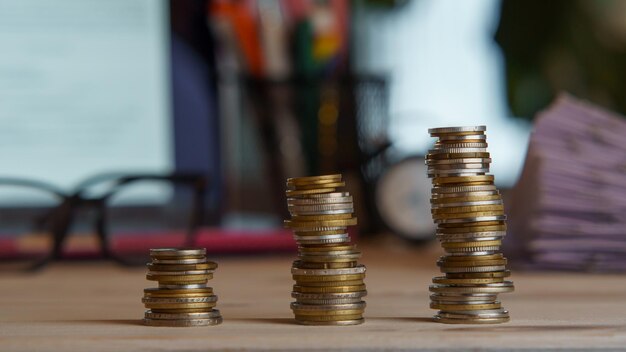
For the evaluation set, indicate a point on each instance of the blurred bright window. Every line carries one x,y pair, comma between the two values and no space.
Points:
445,69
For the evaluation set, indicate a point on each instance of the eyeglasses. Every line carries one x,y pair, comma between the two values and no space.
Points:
128,213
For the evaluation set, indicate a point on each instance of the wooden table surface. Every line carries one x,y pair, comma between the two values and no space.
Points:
81,306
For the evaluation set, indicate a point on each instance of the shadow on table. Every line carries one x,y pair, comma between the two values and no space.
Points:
538,328
137,322
282,321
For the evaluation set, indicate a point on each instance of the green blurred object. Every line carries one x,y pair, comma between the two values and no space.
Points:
577,46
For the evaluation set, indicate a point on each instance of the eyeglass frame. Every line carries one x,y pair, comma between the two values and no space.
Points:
64,214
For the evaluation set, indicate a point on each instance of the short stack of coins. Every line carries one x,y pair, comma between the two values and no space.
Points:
469,213
329,282
183,297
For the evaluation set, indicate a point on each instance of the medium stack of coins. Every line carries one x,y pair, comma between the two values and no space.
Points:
329,283
183,297
469,213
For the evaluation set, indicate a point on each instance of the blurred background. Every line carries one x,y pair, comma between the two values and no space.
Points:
129,121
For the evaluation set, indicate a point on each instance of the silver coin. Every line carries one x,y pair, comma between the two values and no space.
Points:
443,130
331,323
360,269
472,269
471,239
472,253
473,314
314,307
461,294
329,195
204,299
504,287
322,207
183,287
213,313
437,162
439,144
342,295
321,212
461,299
330,241
468,250
183,322
471,219
477,321
319,201
179,273
471,235
463,137
439,151
464,189
319,228
457,174
179,261
439,197
329,301
177,252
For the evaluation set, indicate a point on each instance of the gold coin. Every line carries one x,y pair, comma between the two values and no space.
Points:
448,281
327,313
294,187
488,274
326,223
176,295
488,228
166,257
470,155
321,217
154,306
304,192
444,200
330,283
436,133
474,214
460,307
336,289
455,258
471,244
327,248
181,310
324,318
182,267
325,278
473,224
308,265
468,209
319,233
468,263
179,278
463,179
156,291
305,179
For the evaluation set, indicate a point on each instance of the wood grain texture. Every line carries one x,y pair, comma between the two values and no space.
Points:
97,307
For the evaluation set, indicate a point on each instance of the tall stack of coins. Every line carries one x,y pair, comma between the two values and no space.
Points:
469,213
329,282
183,297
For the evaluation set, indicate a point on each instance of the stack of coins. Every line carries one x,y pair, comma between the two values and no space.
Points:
329,282
469,213
183,297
